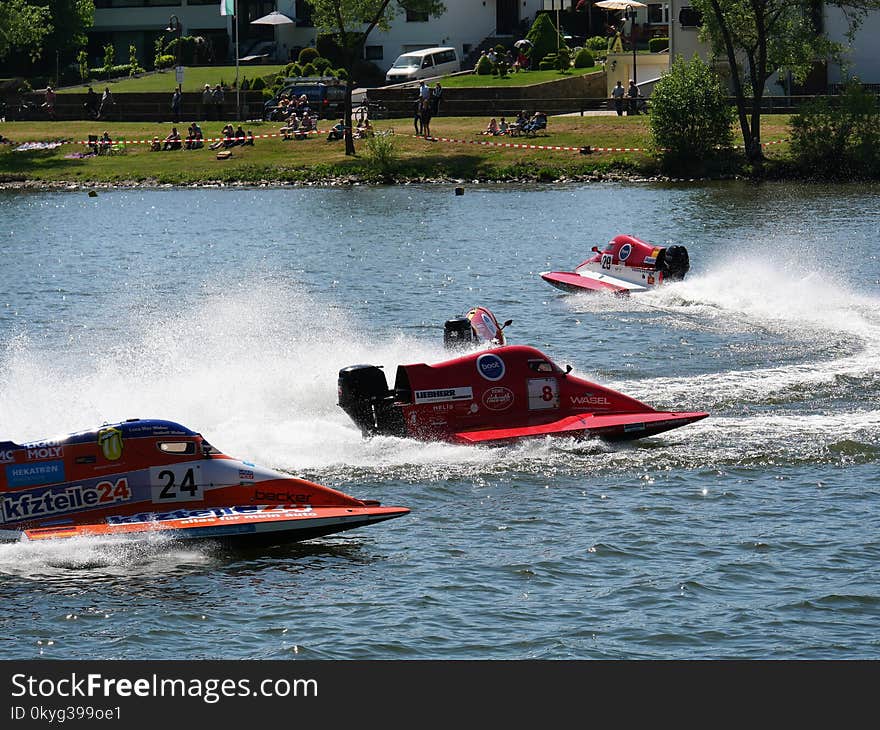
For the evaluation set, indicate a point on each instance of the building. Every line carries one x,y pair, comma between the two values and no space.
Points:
862,60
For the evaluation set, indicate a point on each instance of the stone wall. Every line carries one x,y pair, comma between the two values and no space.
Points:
572,94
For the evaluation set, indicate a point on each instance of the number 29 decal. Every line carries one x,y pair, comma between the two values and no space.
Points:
176,483
607,258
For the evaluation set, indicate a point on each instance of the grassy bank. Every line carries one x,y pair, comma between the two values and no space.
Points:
194,79
521,78
316,160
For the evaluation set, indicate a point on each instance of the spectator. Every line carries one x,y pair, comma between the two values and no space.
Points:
364,129
156,146
291,127
425,117
337,131
175,105
172,141
617,93
239,137
491,127
91,103
217,98
436,93
104,143
207,101
49,104
249,138
503,126
634,98
225,136
417,116
424,91
306,125
106,102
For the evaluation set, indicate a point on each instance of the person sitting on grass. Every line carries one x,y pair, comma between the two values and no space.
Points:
225,137
306,125
337,131
288,130
364,129
249,138
491,127
503,126
238,137
156,145
172,141
104,143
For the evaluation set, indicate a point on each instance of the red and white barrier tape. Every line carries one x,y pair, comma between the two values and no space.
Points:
203,139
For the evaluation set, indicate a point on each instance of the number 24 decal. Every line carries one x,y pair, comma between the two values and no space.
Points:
176,484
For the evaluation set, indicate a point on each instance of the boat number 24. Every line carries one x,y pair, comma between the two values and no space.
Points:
174,483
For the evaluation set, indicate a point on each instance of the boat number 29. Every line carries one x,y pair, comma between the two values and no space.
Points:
606,260
175,483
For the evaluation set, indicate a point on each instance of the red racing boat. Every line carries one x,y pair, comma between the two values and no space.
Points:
626,265
478,326
147,476
495,396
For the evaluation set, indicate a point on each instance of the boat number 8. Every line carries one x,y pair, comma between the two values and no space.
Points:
606,260
547,393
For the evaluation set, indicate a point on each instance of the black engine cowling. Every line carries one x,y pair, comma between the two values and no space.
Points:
457,332
676,263
365,397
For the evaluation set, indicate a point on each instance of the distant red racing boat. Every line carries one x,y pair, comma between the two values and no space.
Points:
626,265
142,477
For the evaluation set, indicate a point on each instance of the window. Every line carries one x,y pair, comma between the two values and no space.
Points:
416,16
658,13
690,18
303,14
427,61
444,57
374,53
177,447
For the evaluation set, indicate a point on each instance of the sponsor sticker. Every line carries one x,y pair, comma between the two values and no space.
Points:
498,398
210,514
110,440
443,395
633,427
490,366
588,399
246,474
7,456
39,450
31,475
68,498
624,252
650,260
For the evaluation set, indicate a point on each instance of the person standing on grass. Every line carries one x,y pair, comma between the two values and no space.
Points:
617,93
207,100
175,105
217,97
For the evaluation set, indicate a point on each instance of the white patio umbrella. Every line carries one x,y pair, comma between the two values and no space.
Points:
619,4
274,18
523,42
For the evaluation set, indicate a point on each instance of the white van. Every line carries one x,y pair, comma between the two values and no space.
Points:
423,64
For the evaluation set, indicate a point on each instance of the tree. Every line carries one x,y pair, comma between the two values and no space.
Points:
690,116
544,37
22,26
351,22
761,37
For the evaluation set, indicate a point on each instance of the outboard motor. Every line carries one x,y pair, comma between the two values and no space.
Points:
458,333
676,263
365,397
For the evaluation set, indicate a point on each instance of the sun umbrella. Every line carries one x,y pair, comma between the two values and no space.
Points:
274,18
619,4
523,42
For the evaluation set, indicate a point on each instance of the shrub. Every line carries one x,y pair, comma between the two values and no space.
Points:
307,55
245,84
655,45
341,73
258,84
164,61
133,66
563,60
544,37
484,66
548,63
109,57
838,136
309,69
82,61
584,59
321,65
382,156
597,43
690,116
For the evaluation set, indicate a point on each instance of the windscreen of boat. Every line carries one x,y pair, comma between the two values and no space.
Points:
178,448
407,62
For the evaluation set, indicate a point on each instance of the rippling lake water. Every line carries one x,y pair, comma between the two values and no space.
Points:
754,533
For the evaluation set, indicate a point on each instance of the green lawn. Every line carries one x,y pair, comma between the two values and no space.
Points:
273,159
523,78
194,79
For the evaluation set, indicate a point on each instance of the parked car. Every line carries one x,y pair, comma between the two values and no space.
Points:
423,64
326,96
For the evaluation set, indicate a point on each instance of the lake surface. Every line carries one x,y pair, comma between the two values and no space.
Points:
754,533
